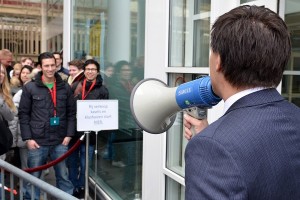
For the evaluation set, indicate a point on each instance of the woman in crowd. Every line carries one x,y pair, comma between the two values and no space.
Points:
27,61
7,107
15,84
24,77
75,71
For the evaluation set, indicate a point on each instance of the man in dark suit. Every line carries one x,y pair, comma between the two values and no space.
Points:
253,150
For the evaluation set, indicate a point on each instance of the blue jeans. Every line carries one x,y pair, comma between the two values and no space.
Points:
38,157
76,165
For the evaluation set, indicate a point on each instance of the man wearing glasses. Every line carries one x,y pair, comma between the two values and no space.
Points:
90,88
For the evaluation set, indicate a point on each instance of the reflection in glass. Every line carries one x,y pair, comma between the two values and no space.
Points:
291,88
246,1
201,6
177,33
189,33
291,79
292,21
201,43
54,9
117,165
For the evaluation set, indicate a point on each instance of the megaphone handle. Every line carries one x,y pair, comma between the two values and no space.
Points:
197,112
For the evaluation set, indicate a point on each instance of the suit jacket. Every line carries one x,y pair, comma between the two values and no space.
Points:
251,152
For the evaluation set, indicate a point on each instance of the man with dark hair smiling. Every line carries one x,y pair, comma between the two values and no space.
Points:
88,88
47,120
252,151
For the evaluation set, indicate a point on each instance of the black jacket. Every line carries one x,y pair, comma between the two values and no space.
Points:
99,91
36,108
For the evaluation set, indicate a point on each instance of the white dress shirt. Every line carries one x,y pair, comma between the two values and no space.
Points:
239,95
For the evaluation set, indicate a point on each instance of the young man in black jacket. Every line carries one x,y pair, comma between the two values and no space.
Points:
47,119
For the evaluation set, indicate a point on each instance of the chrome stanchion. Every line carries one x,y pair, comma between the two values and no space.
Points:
86,186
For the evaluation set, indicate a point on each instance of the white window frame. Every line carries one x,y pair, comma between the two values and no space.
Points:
156,66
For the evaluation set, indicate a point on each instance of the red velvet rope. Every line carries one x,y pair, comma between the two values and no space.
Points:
54,162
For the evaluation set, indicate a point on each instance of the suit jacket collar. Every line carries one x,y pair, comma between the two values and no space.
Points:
256,98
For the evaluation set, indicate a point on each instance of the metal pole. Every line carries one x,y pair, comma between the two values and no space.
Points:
96,163
87,142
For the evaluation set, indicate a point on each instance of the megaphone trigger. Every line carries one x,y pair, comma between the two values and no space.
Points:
196,112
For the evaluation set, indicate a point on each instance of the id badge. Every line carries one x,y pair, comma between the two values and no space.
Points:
54,121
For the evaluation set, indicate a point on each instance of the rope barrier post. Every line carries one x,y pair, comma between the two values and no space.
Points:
86,187
87,142
96,163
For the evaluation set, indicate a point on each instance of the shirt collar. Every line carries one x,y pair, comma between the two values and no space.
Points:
231,100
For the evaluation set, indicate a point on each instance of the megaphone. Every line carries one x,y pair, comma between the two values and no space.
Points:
154,105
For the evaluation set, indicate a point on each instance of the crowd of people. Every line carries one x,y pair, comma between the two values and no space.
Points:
39,106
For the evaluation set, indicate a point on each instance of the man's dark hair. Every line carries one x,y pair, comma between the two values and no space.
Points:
254,46
91,61
76,62
45,55
58,53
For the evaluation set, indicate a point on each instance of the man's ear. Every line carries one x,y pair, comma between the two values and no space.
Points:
218,63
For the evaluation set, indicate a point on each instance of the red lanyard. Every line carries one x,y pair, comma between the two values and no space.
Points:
83,96
53,95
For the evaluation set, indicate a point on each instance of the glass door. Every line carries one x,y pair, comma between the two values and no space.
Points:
189,37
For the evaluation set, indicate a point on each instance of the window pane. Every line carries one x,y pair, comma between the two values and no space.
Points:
291,79
293,23
176,142
177,33
291,88
202,6
201,43
112,32
246,1
174,191
189,33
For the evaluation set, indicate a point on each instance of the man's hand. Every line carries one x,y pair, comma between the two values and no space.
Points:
193,125
31,144
66,141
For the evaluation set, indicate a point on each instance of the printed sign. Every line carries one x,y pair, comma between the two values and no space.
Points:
97,115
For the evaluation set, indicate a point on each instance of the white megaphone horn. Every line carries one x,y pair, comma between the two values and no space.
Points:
154,105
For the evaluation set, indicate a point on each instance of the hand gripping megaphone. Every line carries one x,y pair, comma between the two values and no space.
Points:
154,105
